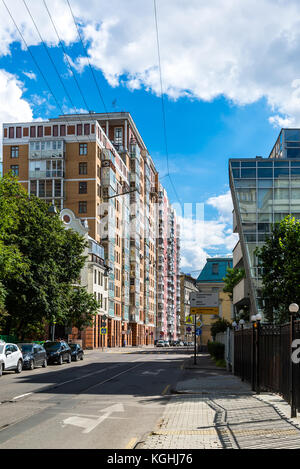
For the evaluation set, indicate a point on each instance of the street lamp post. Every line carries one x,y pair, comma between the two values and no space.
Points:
52,211
258,319
293,309
241,323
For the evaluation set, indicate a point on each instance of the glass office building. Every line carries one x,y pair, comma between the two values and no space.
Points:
264,190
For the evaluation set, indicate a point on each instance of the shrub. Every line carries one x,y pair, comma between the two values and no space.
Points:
216,350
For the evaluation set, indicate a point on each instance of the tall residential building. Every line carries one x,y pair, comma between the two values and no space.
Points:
264,191
211,280
98,166
168,282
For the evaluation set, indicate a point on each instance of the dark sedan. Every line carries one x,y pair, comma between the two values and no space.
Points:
77,352
58,352
33,355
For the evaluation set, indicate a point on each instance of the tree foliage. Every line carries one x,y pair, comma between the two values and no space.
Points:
232,278
41,262
280,262
220,325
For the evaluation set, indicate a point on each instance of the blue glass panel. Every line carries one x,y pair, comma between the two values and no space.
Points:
295,163
292,135
281,172
236,173
265,164
248,173
293,153
245,183
264,172
235,164
295,171
250,238
281,163
293,144
264,227
264,183
248,164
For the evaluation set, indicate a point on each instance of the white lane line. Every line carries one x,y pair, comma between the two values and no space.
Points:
22,395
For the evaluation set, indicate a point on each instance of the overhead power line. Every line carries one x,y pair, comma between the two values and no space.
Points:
163,104
55,67
88,60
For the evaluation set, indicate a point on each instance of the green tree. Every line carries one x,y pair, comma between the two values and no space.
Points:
220,325
51,259
279,258
232,278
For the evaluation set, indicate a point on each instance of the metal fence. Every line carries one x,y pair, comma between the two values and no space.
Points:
262,356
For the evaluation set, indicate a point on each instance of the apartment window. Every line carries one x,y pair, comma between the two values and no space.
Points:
62,130
83,187
18,132
15,169
82,168
98,171
57,188
86,129
40,131
215,269
55,131
11,132
82,207
14,152
95,277
32,132
118,136
98,190
79,129
83,149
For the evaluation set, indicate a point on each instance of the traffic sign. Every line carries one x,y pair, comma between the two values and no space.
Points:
206,300
189,320
198,331
199,323
204,310
188,329
103,330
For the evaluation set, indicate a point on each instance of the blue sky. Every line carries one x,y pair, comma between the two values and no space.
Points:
221,100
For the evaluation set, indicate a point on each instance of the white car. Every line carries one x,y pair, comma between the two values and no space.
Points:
11,358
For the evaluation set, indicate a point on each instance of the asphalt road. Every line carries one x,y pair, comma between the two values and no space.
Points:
107,401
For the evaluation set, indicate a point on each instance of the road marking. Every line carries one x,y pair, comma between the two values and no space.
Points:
152,372
22,395
131,443
165,390
90,424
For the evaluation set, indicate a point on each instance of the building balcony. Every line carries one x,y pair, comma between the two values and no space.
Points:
240,292
237,254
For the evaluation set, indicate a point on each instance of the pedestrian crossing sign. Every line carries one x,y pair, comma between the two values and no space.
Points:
189,320
103,330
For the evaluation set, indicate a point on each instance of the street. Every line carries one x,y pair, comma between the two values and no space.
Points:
110,400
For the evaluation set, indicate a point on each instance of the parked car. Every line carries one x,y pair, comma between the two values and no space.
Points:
58,352
167,343
11,358
160,343
180,343
190,344
77,352
33,355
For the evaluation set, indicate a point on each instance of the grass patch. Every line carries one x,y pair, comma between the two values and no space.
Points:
221,363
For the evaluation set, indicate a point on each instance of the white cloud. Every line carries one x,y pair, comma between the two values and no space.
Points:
202,238
13,108
30,75
241,50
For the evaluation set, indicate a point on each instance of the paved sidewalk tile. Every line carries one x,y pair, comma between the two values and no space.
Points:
213,409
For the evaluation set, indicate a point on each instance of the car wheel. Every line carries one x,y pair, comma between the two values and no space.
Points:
31,365
44,365
19,367
81,358
60,360
76,358
69,359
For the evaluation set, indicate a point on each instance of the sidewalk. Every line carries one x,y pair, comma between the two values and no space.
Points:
212,409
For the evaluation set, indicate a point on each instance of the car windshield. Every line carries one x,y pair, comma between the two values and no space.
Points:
25,348
52,345
73,346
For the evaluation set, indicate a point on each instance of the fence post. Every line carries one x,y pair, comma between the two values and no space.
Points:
292,377
242,352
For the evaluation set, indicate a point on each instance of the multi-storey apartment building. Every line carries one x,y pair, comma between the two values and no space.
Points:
264,191
98,166
94,278
168,286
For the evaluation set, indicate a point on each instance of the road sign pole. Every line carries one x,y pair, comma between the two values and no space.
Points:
195,346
